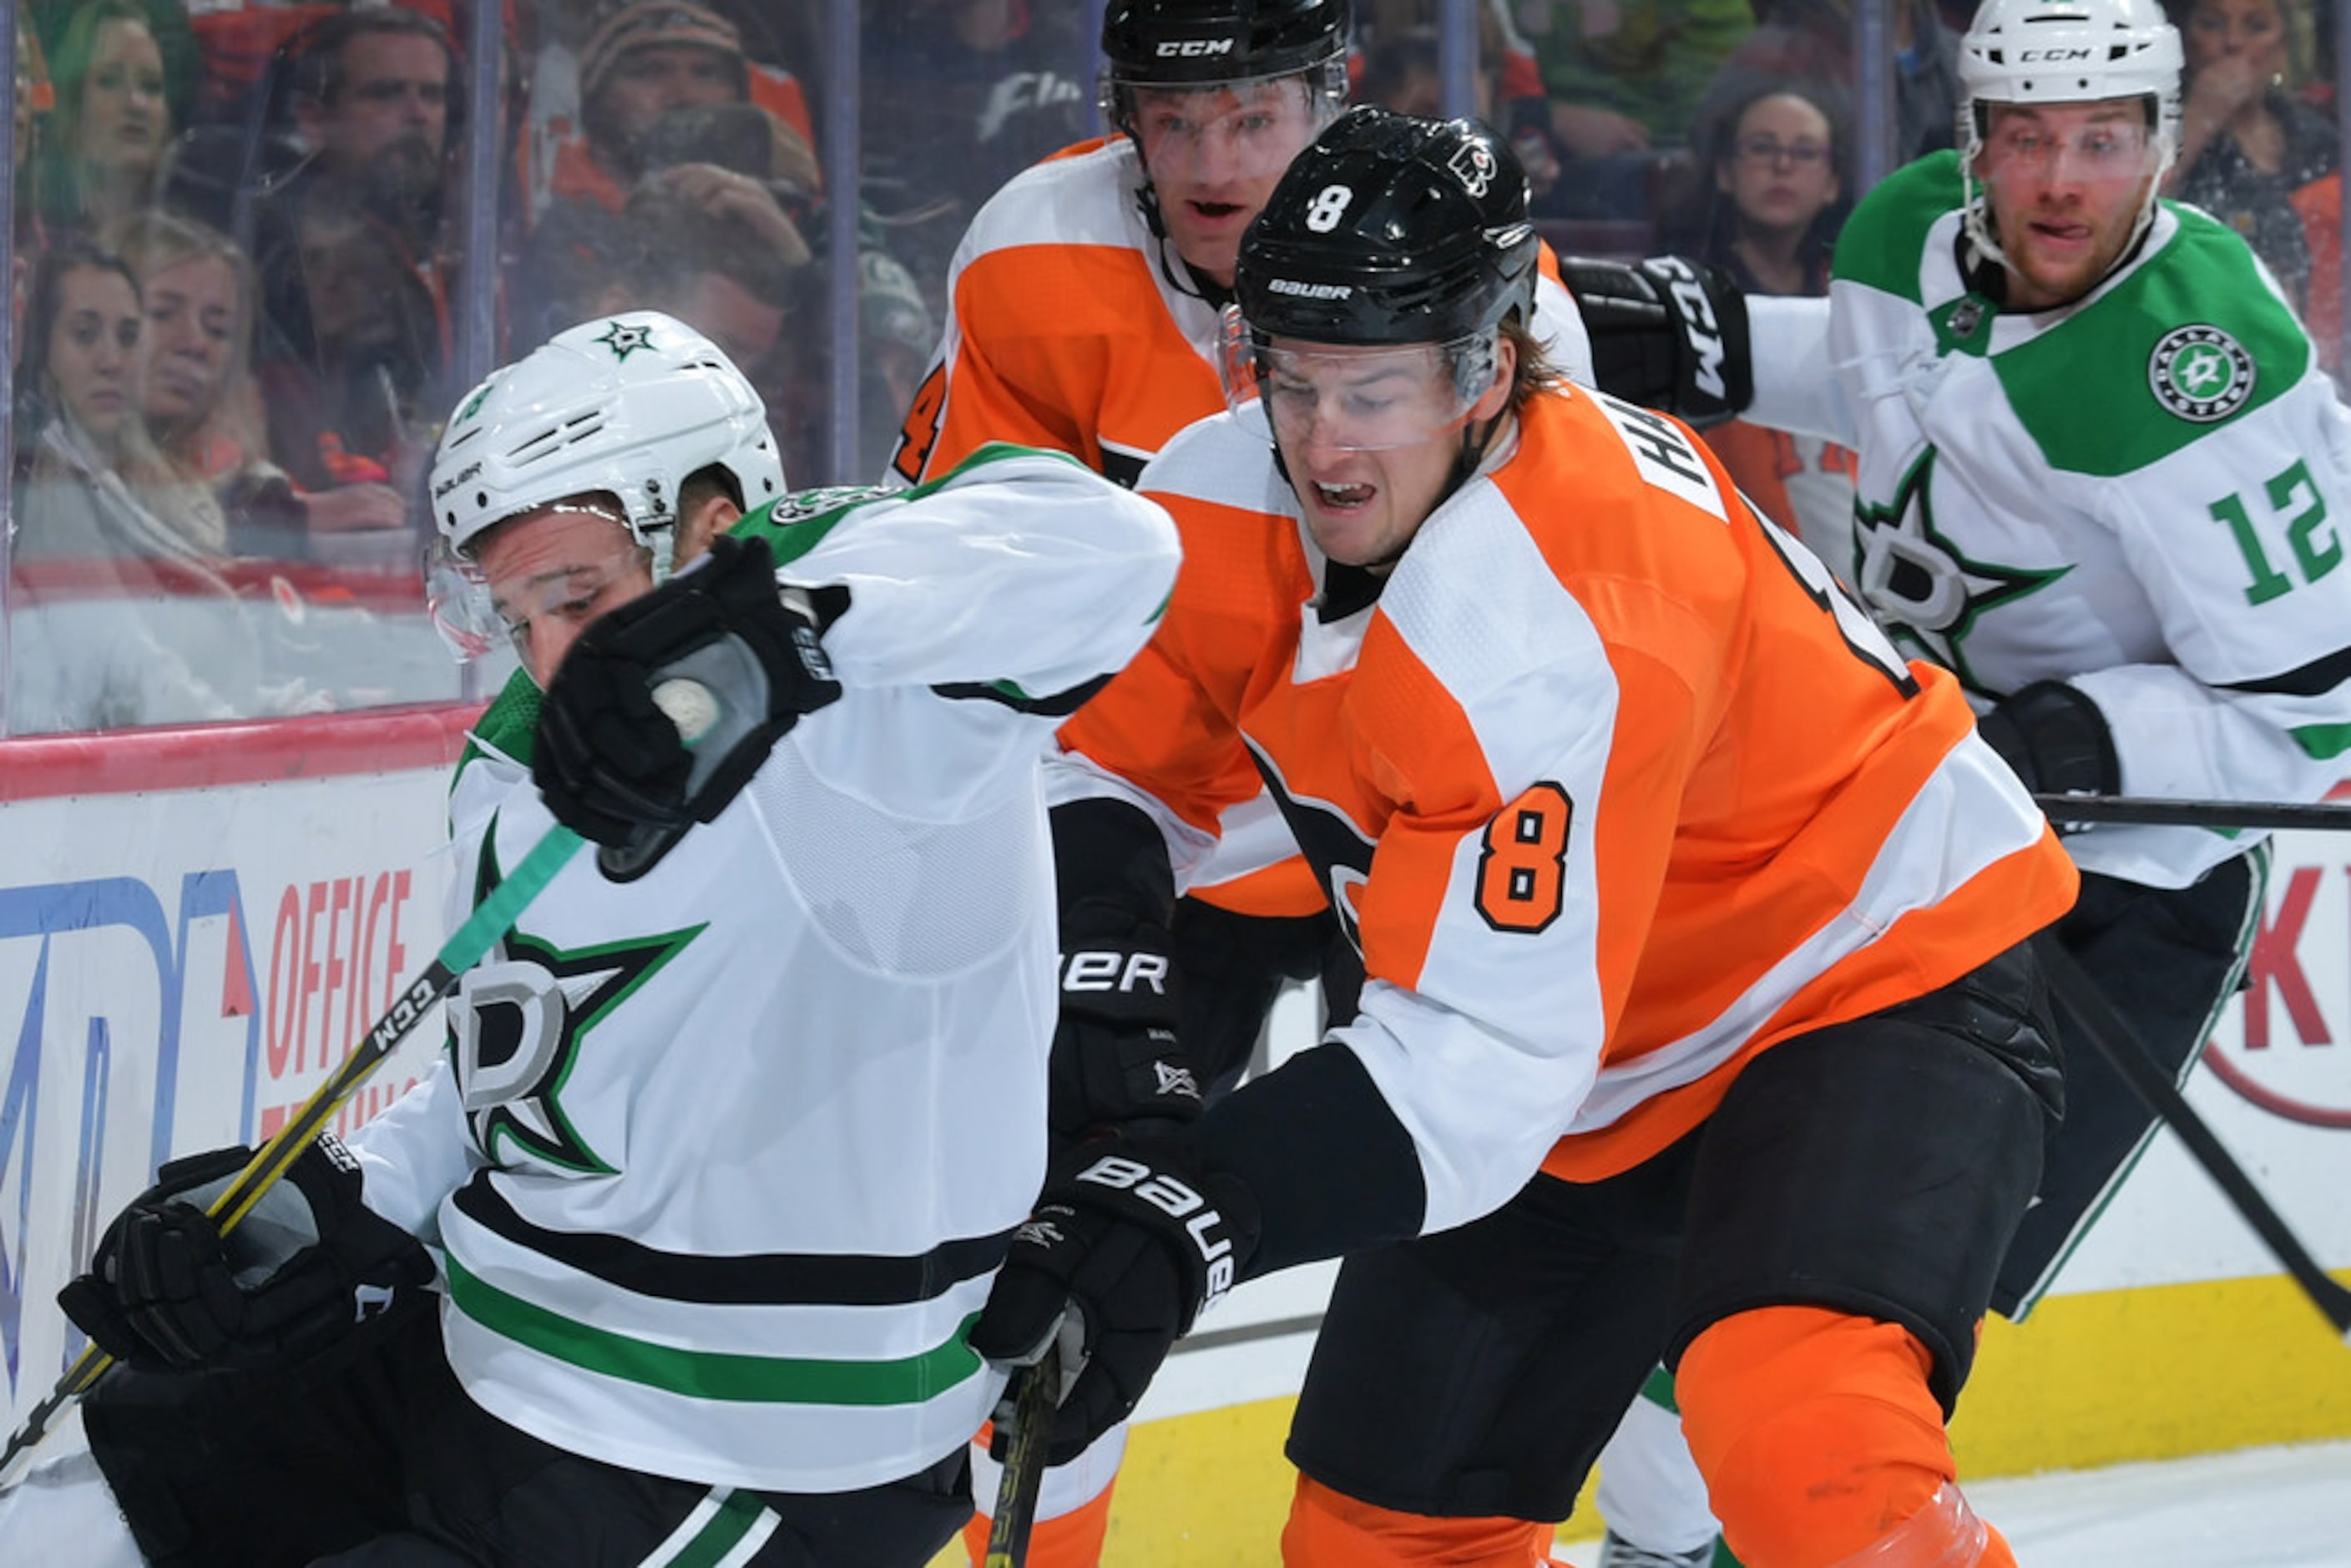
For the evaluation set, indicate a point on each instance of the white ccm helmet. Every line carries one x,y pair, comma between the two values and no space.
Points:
631,405
2065,51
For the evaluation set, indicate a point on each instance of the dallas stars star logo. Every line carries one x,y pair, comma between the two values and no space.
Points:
1917,585
625,338
519,1022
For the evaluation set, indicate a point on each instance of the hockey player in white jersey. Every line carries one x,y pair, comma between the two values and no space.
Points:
2102,478
723,1157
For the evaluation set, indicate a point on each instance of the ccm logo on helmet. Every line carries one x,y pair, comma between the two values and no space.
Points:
1178,1202
1699,327
2052,56
1309,291
1113,971
1187,49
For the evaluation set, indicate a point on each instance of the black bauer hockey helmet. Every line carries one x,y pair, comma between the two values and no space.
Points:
1392,229
1202,42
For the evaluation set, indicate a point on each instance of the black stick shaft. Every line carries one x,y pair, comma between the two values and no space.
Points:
1024,1464
2153,812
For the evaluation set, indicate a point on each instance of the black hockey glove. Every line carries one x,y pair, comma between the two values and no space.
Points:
1116,1060
310,1261
1666,333
1115,1265
611,758
2056,738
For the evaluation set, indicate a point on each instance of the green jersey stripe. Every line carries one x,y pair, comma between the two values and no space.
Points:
710,1374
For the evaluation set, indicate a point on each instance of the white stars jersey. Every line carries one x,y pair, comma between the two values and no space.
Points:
2143,494
723,1159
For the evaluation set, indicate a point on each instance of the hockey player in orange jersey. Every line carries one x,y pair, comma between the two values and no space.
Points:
1084,315
1697,1024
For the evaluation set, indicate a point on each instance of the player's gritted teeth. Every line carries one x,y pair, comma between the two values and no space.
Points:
1343,497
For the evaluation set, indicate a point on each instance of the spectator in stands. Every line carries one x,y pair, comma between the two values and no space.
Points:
196,391
1810,41
2247,142
1777,157
98,486
354,257
965,94
110,146
104,535
644,62
719,255
732,159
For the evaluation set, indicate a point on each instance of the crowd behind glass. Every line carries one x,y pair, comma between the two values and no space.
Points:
248,239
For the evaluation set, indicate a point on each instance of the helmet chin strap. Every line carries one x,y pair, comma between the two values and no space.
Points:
663,541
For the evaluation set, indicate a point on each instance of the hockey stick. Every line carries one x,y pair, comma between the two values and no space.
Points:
2154,812
2072,988
489,920
1024,1463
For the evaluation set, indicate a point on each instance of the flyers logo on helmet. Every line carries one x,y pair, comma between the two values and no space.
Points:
1473,164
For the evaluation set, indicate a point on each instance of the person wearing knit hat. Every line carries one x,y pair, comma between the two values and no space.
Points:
644,61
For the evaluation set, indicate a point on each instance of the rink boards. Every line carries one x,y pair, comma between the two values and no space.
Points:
195,925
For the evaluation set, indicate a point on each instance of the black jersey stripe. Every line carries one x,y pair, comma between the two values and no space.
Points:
2314,679
759,1278
1055,705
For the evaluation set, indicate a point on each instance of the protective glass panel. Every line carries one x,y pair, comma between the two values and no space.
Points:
239,260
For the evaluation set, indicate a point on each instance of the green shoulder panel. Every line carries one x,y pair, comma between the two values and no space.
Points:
1885,240
794,525
507,724
2192,340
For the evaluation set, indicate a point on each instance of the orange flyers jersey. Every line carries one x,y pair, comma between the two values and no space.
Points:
1070,325
1610,784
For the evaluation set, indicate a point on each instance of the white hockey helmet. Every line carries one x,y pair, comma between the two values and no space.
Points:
2065,51
630,404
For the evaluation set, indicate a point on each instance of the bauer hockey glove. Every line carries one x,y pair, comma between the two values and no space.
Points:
308,1261
609,757
1116,1063
1666,333
1114,1266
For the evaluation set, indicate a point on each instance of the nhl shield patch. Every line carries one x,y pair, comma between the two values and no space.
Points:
2200,374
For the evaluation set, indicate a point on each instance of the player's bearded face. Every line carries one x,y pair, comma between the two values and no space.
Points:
2066,183
1214,156
1371,437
